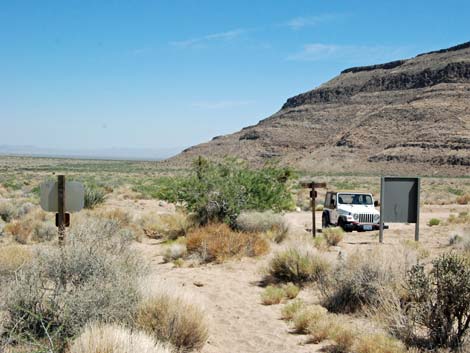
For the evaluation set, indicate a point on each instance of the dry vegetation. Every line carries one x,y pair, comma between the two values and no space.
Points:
339,292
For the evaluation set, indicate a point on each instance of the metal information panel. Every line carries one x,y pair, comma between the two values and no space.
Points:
74,200
399,202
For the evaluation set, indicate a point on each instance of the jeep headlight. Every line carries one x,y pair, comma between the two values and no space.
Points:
376,218
355,216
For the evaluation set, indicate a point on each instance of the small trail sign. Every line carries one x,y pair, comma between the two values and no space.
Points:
62,197
74,200
313,195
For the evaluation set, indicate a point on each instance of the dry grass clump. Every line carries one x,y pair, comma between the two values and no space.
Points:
291,290
344,336
122,217
167,225
463,200
461,218
461,242
173,319
217,242
290,309
378,343
112,338
12,258
297,265
175,251
333,236
306,315
267,222
358,281
272,295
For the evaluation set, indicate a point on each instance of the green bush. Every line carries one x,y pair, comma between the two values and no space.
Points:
93,196
434,222
440,300
220,191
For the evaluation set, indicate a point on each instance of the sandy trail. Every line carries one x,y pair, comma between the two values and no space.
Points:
230,294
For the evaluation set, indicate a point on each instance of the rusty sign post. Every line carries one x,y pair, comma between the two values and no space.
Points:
61,208
62,197
313,195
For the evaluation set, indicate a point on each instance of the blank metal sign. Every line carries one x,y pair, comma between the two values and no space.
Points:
74,196
400,197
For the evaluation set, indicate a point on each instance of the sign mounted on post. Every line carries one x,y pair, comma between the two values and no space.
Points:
399,202
74,201
313,196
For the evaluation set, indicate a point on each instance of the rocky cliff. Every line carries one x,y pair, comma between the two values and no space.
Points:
406,116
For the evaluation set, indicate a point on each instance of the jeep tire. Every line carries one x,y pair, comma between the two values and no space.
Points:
325,220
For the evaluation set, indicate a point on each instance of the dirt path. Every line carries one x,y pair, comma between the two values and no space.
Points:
230,295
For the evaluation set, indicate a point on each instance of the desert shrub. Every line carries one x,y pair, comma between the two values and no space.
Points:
320,330
7,211
344,336
357,281
92,278
291,290
218,192
463,200
290,309
434,222
440,300
460,242
461,218
333,236
94,196
272,295
44,231
217,242
174,252
320,243
122,217
319,207
378,343
297,266
263,222
305,316
167,225
20,230
112,338
12,258
173,319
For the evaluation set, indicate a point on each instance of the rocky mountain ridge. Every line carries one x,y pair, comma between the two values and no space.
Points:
406,116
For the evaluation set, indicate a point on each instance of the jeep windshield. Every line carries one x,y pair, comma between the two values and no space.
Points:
355,199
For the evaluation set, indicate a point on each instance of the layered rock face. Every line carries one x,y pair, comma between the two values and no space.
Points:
407,116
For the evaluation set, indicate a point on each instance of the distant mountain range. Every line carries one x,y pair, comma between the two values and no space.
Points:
402,117
106,153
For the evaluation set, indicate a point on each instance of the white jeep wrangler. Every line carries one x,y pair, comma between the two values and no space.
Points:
350,211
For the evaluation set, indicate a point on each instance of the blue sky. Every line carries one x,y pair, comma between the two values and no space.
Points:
158,74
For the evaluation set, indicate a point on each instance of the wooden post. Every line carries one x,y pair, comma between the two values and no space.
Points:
313,196
61,208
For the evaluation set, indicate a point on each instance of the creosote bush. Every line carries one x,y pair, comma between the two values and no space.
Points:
219,192
333,236
297,266
92,278
173,319
217,242
112,338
